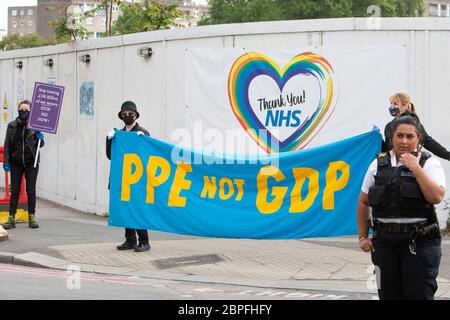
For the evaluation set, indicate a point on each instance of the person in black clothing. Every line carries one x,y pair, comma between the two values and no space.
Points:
128,114
401,105
20,153
402,186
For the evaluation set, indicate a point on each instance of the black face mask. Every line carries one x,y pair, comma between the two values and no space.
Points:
128,120
23,115
394,111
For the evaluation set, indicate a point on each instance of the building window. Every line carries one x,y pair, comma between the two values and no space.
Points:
30,12
89,7
115,8
102,12
103,21
89,21
443,12
22,23
14,24
433,10
22,12
101,34
30,23
14,13
75,9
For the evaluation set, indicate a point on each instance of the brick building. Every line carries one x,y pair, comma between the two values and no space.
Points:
22,20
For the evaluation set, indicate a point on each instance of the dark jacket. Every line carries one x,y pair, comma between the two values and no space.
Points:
135,128
15,151
428,142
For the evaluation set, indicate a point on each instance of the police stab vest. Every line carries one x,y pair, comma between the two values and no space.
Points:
396,193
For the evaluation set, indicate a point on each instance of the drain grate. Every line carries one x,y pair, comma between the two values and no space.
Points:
188,261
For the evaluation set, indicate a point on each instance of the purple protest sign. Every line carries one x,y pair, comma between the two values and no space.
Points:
45,107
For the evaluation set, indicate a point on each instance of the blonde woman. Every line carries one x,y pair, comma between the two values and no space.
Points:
401,105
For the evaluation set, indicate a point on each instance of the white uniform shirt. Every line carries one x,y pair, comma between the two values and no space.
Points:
432,167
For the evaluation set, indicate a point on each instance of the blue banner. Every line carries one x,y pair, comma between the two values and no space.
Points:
292,195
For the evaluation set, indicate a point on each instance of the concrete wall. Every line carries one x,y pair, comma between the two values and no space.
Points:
74,170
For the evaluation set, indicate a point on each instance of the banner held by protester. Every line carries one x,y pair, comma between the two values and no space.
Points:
301,194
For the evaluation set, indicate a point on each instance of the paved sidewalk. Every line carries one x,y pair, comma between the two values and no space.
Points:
67,237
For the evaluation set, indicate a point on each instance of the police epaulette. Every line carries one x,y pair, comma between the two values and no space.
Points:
424,157
383,159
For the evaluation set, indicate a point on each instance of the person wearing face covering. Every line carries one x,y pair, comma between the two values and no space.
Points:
397,200
21,145
129,114
401,105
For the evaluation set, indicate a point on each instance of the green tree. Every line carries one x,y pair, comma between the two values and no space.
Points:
107,5
359,8
390,8
15,41
315,9
69,28
235,11
411,8
151,15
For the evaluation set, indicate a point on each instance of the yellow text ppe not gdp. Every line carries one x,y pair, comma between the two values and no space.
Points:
333,183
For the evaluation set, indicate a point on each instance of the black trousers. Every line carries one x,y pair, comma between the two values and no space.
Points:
17,172
130,235
402,275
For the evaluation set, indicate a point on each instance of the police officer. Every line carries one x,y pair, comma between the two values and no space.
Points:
128,114
402,187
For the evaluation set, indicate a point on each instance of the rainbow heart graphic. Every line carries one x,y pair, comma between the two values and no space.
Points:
308,65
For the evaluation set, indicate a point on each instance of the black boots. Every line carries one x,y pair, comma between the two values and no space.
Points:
32,221
142,247
10,224
127,245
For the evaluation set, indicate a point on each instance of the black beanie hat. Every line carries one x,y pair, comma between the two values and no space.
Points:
128,106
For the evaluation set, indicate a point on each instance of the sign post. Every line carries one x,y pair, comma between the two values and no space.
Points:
45,109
